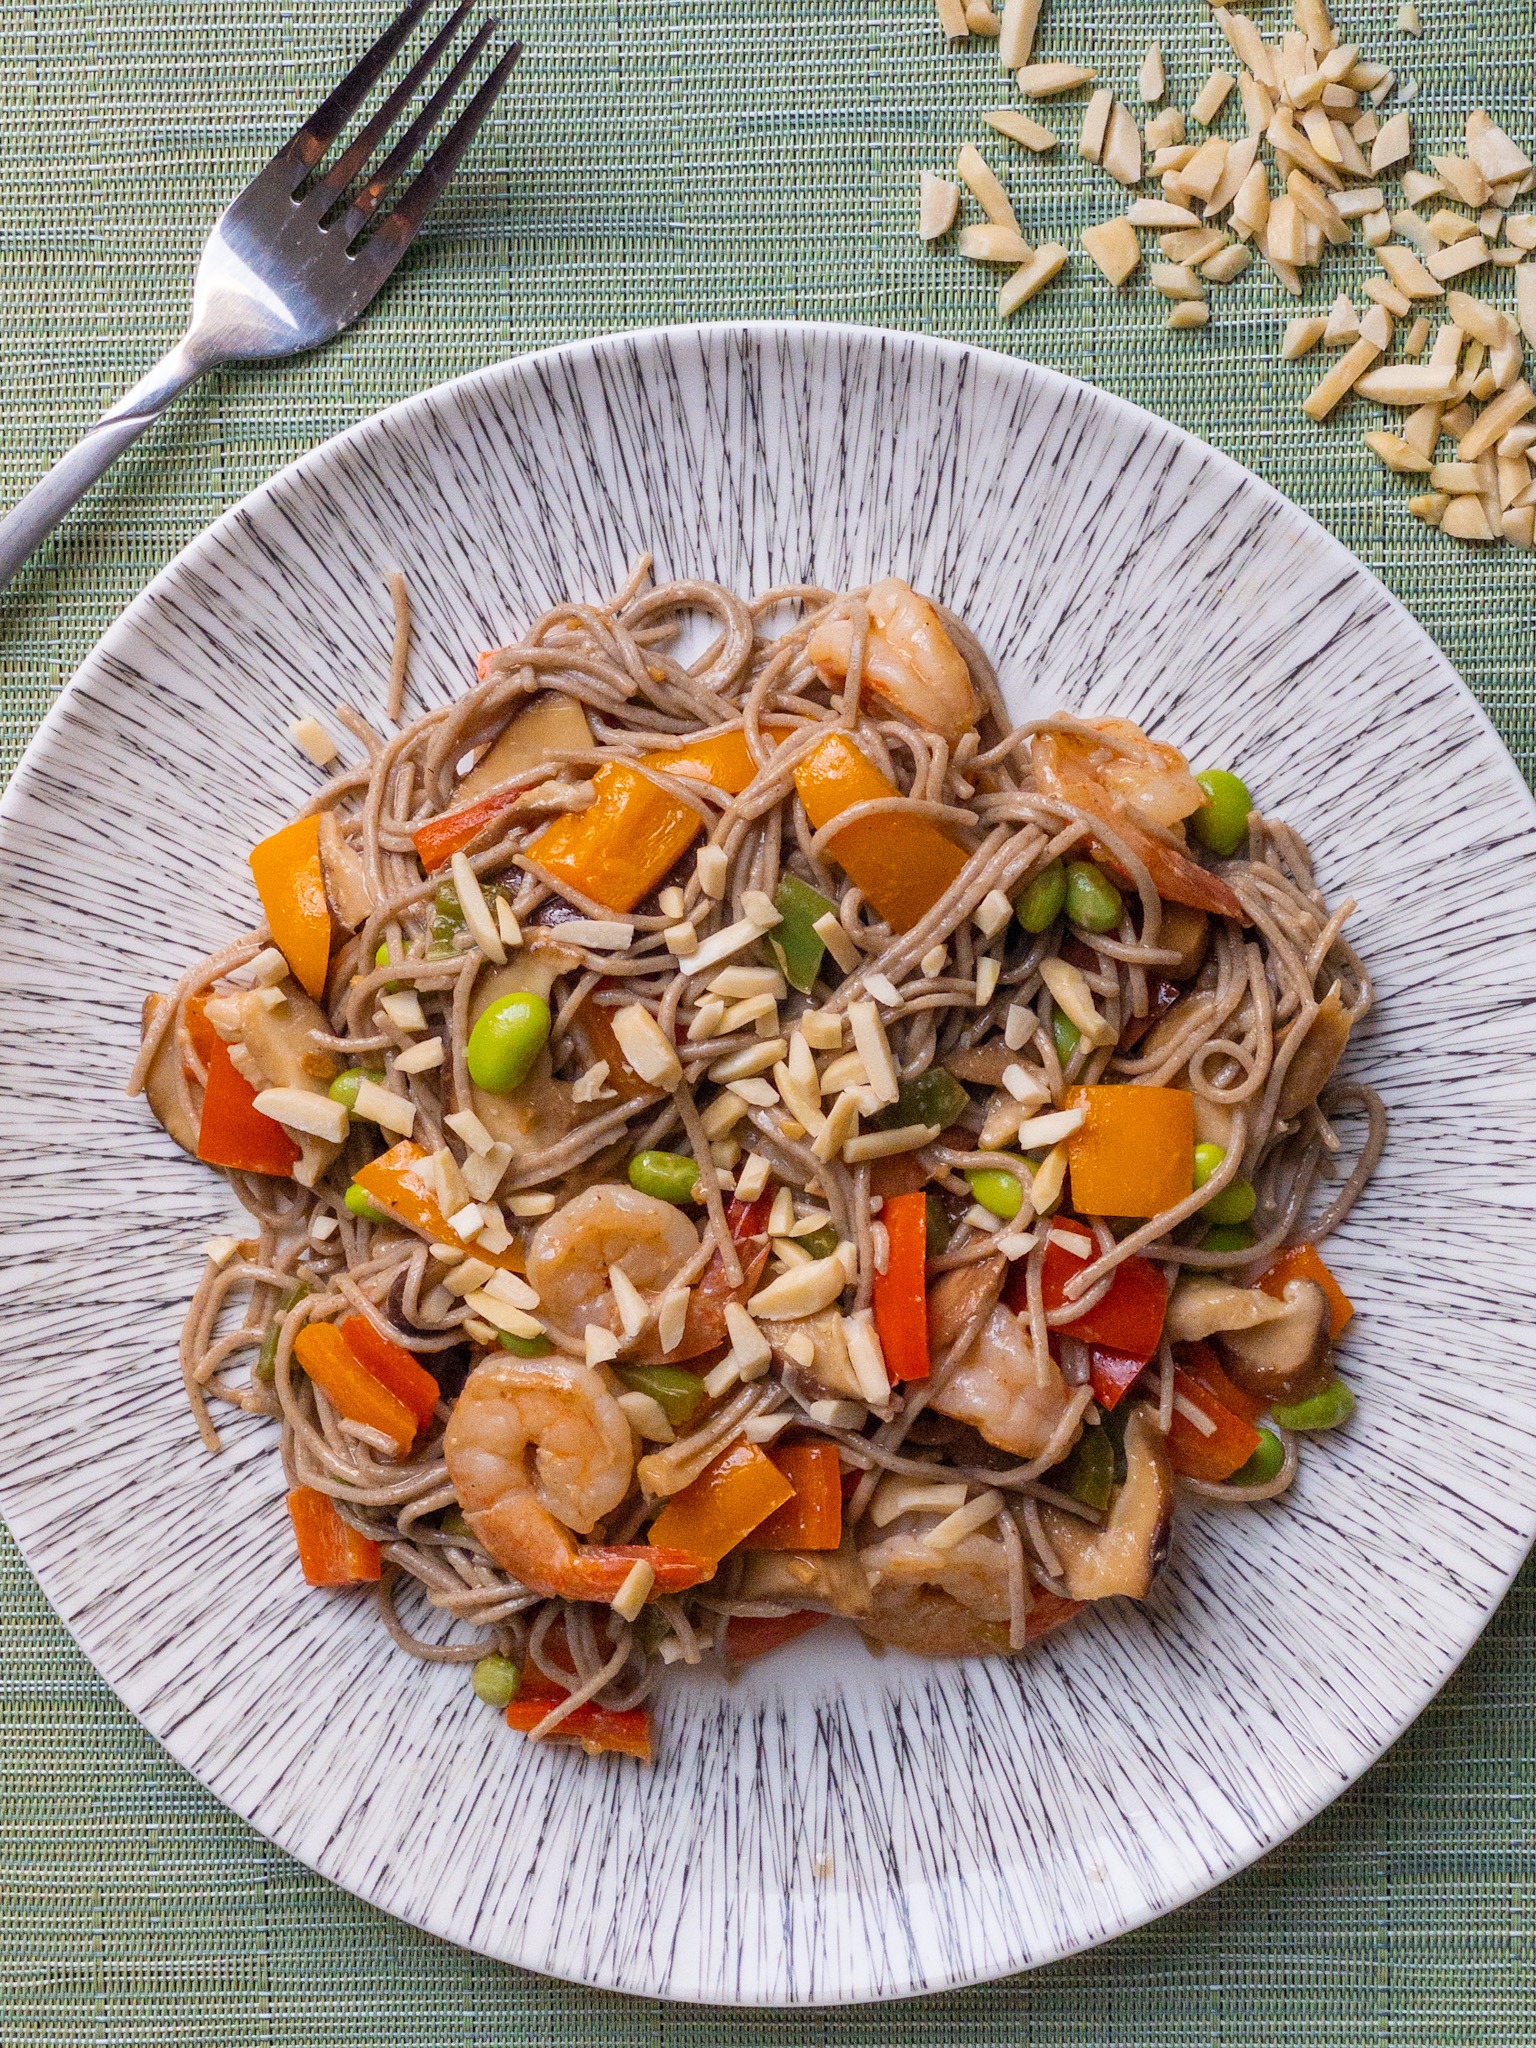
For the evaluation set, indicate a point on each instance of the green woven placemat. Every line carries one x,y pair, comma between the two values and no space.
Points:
745,157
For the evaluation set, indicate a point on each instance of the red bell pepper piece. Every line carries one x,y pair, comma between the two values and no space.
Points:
704,1327
813,1518
1048,1612
1201,1362
1112,1375
754,1635
1129,1319
1213,1453
901,1302
330,1552
233,1132
395,1368
597,1729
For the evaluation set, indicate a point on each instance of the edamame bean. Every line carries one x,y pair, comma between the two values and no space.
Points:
1264,1464
496,1680
345,1086
1041,903
508,1037
356,1199
670,1176
1228,1237
1236,1201
1066,1035
524,1347
1221,825
383,958
1335,1404
675,1390
1093,901
998,1192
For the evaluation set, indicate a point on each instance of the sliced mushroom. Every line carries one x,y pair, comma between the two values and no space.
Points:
1200,1306
1127,1552
981,1064
1287,1358
551,724
830,1375
1173,1023
831,1581
168,1088
959,1302
1315,1058
346,881
274,1047
1190,932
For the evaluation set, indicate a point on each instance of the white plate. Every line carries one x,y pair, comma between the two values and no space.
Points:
832,1827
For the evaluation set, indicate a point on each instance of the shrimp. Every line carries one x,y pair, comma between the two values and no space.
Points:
608,1225
910,662
1143,797
947,1603
537,1449
990,1378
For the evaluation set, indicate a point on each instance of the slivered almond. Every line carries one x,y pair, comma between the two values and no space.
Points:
1113,246
1121,155
937,201
1406,384
1152,79
1020,128
1044,81
1212,97
1340,380
1301,337
1506,411
1020,20
1047,260
1090,142
1407,272
1396,453
989,242
987,187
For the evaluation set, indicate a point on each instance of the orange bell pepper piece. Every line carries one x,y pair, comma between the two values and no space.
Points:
393,1367
599,1730
350,1387
1302,1262
724,1504
754,1635
1135,1154
813,1519
1215,1452
291,885
1202,1362
900,1298
902,864
397,1183
233,1132
330,1552
723,761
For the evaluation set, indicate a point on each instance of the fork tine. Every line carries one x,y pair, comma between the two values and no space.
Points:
329,189
391,240
308,144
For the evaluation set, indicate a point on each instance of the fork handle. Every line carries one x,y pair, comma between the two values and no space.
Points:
29,524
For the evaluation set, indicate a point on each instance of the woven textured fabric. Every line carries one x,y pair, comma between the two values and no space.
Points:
751,157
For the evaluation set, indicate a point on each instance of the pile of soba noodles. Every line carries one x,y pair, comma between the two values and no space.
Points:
707,1069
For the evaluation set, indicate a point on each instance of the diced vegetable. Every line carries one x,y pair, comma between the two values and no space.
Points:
821,1244
330,1553
677,1392
597,1729
1092,900
1202,1362
1236,1201
291,884
1089,1473
349,1386
524,1347
704,1328
933,1097
393,1367
233,1132
1128,1320
903,864
266,1359
1265,1462
1335,1404
1227,1237
1221,825
754,1635
1044,900
670,1176
358,1204
1134,1155
939,1228
813,1518
1215,1453
999,1192
796,945
345,1086
1064,1035
900,1296
730,1497
1112,1375
495,1680
508,1036
398,1183
1302,1262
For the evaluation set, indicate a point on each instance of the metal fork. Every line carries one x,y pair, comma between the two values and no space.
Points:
274,277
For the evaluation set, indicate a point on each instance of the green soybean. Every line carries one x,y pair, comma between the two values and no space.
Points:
1237,1200
266,1358
1221,825
1093,901
524,1347
676,1391
1089,1474
1066,1035
934,1097
384,958
937,1232
508,1037
670,1176
1335,1404
795,943
496,1680
356,1199
1264,1464
345,1086
1227,1237
998,1192
1041,903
